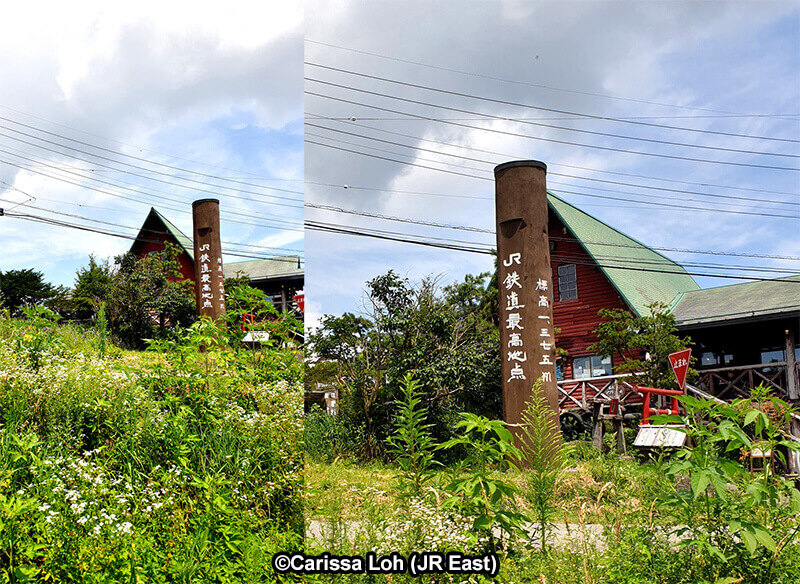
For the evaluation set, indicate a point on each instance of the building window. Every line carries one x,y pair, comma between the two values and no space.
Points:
773,356
591,366
567,282
708,359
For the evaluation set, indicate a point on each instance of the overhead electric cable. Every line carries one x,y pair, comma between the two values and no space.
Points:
540,86
140,229
351,120
251,176
552,110
553,238
58,223
137,167
553,140
347,231
139,158
628,200
285,222
223,216
550,172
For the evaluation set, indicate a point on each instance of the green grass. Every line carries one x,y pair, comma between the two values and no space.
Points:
170,466
360,508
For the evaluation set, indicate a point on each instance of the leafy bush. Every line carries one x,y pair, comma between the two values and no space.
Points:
168,466
146,295
411,443
480,494
733,522
325,437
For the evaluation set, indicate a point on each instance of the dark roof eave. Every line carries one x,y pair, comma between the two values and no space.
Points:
746,317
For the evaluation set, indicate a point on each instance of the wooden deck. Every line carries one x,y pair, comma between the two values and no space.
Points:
734,382
580,393
725,383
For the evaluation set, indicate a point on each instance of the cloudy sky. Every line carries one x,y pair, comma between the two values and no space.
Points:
675,122
107,109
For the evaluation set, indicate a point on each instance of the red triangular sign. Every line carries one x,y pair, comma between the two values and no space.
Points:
300,299
680,365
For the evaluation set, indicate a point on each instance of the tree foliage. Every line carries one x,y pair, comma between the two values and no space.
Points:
92,284
643,342
146,295
27,287
443,336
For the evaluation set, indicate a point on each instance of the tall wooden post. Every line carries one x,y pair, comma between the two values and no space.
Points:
526,292
209,279
792,383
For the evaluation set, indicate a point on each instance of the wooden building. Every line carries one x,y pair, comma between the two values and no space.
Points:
744,333
279,278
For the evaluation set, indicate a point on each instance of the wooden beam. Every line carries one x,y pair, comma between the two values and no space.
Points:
791,368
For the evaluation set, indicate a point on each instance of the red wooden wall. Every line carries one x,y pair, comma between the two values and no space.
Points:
154,239
186,264
577,318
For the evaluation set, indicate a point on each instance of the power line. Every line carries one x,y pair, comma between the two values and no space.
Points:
345,231
58,223
557,111
251,176
518,82
116,224
553,140
133,166
138,229
554,238
549,171
576,167
600,119
146,160
657,204
138,191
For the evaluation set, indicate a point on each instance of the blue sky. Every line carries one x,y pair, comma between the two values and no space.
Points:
196,102
727,73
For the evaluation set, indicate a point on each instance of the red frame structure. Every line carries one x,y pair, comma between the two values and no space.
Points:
647,410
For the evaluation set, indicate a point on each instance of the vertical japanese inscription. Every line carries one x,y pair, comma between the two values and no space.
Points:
209,278
524,283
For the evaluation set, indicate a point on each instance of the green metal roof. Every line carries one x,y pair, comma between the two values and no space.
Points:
264,269
182,238
739,301
622,259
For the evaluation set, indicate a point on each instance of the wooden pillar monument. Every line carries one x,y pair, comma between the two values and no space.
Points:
209,279
527,336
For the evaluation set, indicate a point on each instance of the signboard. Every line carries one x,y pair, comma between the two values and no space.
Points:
680,365
300,300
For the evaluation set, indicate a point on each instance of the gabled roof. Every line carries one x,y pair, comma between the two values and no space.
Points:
154,216
641,275
771,298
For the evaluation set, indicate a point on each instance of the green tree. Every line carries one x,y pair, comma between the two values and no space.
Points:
92,284
635,338
20,288
442,336
351,344
146,295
